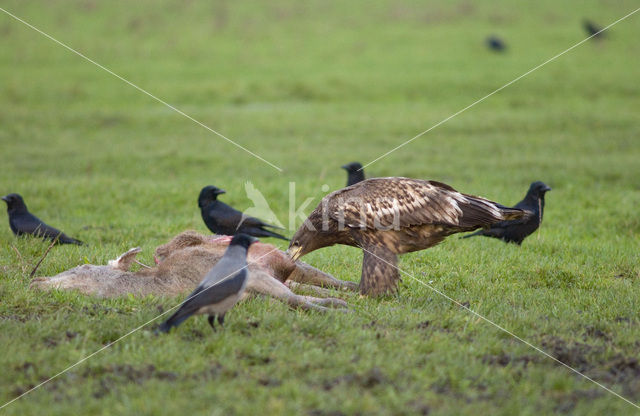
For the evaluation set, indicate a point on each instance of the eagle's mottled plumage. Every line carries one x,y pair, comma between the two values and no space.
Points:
391,216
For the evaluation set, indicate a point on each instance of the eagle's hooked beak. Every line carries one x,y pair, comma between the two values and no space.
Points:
294,252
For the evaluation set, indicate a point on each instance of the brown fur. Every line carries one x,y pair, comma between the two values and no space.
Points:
183,263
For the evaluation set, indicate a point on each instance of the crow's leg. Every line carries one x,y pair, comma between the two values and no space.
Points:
211,320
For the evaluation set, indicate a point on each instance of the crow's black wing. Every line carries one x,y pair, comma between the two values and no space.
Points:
205,296
259,232
30,224
231,217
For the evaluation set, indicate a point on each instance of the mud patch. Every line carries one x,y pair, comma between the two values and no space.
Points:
50,342
99,310
250,326
502,359
107,378
591,360
592,331
424,325
419,408
620,370
366,380
29,369
18,318
195,334
214,372
254,359
575,355
320,412
372,324
25,367
568,403
269,382
112,376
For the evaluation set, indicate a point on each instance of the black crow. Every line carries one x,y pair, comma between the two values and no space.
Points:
220,218
220,289
592,29
22,222
355,173
515,231
496,44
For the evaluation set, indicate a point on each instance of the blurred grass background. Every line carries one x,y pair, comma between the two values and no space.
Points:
311,86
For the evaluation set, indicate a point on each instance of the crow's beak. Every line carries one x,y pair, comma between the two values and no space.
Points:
5,198
345,167
546,188
294,252
253,239
220,192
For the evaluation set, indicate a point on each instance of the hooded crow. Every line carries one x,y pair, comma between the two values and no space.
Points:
220,289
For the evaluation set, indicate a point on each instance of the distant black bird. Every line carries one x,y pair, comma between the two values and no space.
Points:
592,29
220,218
355,173
220,289
22,222
515,231
496,44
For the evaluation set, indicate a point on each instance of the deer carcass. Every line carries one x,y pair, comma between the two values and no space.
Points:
183,262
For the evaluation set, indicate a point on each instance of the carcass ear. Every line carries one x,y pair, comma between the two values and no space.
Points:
124,261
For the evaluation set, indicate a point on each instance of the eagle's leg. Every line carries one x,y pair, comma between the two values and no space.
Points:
380,274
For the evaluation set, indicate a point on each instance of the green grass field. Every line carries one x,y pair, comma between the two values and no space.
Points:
310,86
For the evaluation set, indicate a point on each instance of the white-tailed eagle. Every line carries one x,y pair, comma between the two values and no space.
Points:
390,216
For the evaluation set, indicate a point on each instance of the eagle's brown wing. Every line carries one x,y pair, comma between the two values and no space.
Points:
402,202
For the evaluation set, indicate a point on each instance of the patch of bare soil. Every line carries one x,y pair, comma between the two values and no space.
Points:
109,378
591,360
366,380
112,376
